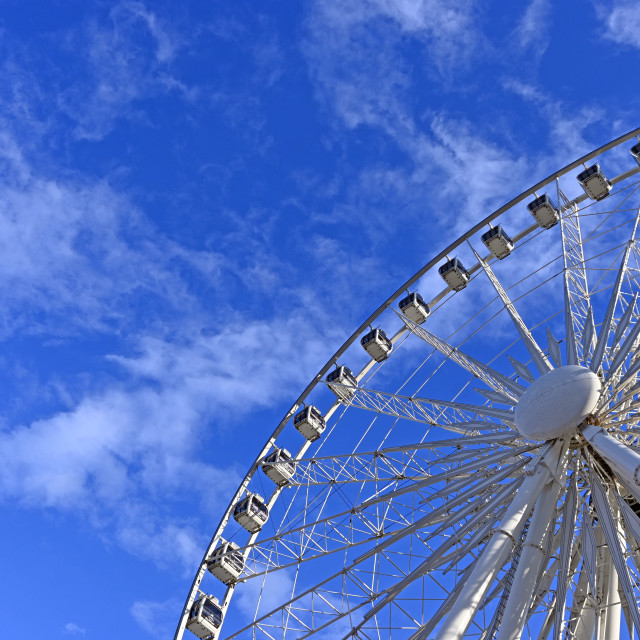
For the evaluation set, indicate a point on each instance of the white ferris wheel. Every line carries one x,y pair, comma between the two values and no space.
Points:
467,465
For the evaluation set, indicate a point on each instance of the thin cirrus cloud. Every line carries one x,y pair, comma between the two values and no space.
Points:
622,23
156,618
157,312
74,629
68,247
121,70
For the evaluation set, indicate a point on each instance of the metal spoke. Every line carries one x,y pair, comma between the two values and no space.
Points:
396,497
576,289
500,384
566,546
537,355
610,530
454,416
614,300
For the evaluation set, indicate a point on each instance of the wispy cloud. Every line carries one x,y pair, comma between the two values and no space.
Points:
73,629
532,31
119,455
74,248
622,23
567,129
121,69
156,618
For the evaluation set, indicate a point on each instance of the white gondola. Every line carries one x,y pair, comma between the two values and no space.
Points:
498,242
544,211
251,512
339,376
594,182
415,308
226,562
454,274
377,345
279,466
205,617
635,152
310,423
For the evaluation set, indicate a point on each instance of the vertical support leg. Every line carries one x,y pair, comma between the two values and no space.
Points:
524,581
613,608
500,545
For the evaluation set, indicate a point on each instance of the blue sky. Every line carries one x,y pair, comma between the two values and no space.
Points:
198,202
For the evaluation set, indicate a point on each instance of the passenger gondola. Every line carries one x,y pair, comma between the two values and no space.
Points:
279,466
226,562
594,182
454,274
544,211
342,376
310,423
498,242
415,308
205,617
251,512
377,345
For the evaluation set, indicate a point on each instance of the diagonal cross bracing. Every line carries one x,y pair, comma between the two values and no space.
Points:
454,416
576,290
492,378
603,337
536,353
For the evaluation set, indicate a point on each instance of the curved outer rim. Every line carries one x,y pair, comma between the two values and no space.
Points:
352,338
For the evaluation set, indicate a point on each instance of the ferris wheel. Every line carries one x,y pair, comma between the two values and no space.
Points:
467,465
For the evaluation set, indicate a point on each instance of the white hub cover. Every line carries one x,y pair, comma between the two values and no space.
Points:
557,402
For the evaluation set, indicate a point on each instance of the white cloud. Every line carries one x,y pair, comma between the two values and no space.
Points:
481,174
448,28
118,455
121,69
355,60
622,23
81,251
567,128
532,31
74,629
262,595
156,618
353,54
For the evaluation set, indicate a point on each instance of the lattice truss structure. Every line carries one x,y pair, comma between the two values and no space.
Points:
422,510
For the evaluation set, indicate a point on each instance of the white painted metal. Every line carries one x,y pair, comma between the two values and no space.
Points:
566,548
603,337
557,402
414,516
553,346
538,357
521,369
533,554
497,550
492,378
623,459
576,288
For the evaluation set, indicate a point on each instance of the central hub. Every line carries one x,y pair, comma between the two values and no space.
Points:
557,402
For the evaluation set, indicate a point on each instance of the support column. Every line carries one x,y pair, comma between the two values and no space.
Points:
524,580
622,459
613,608
500,545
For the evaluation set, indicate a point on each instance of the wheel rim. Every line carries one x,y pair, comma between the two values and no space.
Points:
410,516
